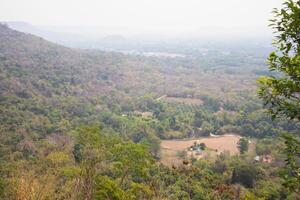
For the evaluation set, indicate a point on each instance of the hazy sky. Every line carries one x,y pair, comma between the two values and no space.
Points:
164,17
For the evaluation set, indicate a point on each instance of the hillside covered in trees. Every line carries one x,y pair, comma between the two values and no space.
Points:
86,124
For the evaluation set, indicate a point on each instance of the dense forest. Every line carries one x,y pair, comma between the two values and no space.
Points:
87,124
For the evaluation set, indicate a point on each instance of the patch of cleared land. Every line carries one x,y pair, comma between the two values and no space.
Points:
170,148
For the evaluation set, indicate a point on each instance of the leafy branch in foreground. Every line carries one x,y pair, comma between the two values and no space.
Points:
281,93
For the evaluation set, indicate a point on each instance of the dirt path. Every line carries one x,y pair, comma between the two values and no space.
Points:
159,98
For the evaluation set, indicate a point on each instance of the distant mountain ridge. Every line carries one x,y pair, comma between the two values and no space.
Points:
93,37
53,36
71,39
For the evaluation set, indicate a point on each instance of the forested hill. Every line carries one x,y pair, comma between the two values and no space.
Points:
47,68
24,56
46,88
44,75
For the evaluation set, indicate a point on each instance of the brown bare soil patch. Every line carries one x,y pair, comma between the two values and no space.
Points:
170,148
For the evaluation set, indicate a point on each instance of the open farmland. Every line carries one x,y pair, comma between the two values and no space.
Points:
170,148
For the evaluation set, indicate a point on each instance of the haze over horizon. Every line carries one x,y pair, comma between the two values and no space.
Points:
176,18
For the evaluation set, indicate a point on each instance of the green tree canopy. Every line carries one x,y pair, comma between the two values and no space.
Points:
243,145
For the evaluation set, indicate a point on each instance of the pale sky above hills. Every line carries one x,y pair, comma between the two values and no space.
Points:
161,17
